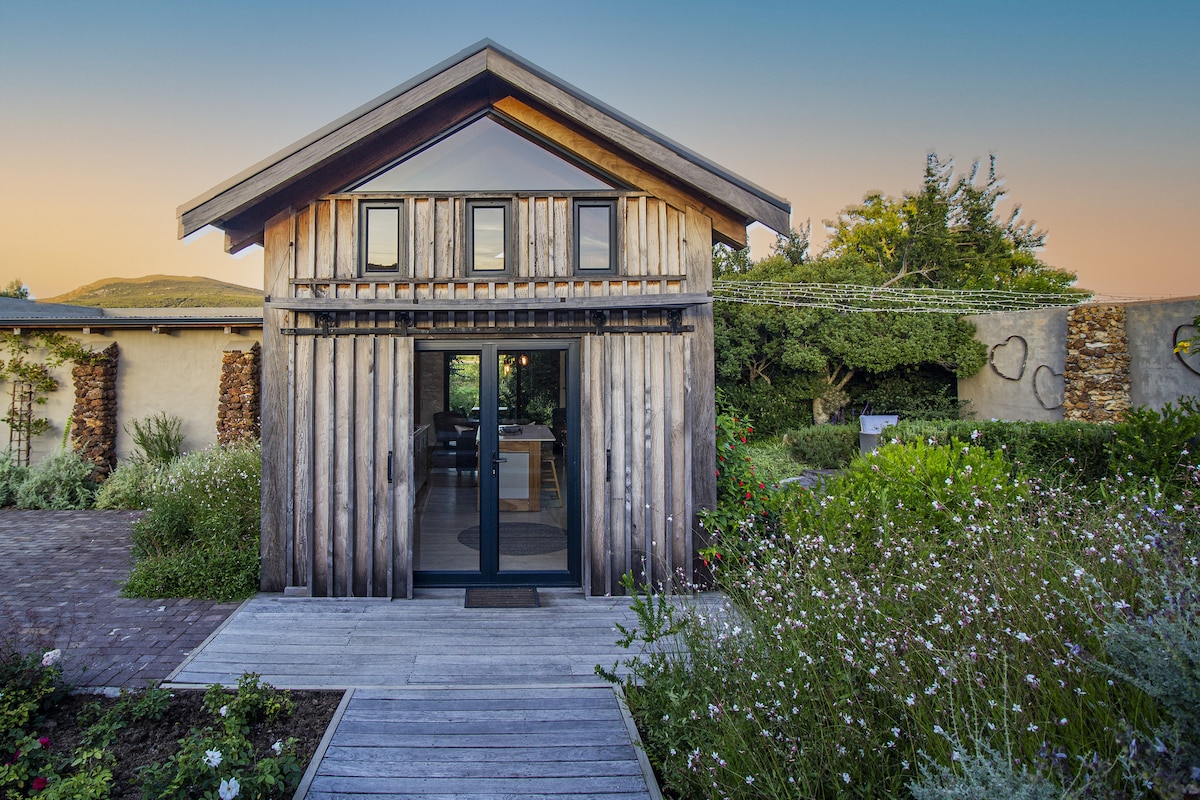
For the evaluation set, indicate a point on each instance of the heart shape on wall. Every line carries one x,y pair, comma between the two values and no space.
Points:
1048,387
1190,361
1007,359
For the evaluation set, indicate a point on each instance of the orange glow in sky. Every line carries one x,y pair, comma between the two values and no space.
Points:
113,114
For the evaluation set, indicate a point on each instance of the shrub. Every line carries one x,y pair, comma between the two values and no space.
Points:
1076,451
200,537
826,446
1158,444
62,481
158,438
925,597
928,393
12,475
774,407
129,487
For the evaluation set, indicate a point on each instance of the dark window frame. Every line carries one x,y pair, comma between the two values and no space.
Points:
613,261
505,204
364,209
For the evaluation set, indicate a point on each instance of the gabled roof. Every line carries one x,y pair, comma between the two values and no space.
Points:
481,77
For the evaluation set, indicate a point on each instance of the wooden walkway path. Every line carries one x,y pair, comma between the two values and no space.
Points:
447,702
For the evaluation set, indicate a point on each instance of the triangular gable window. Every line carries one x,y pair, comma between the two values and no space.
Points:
482,156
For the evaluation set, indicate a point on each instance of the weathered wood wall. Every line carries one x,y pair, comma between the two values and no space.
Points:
336,407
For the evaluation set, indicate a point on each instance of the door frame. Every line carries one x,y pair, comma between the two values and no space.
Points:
488,572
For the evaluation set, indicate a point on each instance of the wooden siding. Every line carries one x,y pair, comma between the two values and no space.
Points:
341,405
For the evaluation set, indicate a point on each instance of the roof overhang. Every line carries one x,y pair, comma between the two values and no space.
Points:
482,77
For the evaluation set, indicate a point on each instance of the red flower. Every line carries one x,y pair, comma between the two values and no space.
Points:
39,783
44,741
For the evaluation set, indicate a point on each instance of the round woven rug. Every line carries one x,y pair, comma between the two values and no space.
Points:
520,538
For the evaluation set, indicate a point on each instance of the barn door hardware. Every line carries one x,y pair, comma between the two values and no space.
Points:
599,318
674,318
389,466
403,320
326,323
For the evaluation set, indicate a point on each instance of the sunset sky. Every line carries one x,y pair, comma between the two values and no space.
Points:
114,113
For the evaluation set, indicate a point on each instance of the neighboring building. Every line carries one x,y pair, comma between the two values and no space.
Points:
169,360
488,345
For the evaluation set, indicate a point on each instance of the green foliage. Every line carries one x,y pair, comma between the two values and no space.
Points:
221,757
62,481
251,703
36,376
130,486
158,438
12,475
212,574
1158,444
131,707
15,288
775,407
742,497
1075,451
30,684
200,537
982,775
924,598
772,457
826,446
910,393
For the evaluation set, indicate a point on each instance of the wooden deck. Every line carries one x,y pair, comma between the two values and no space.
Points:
447,702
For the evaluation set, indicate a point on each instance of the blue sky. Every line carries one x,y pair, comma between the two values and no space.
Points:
114,113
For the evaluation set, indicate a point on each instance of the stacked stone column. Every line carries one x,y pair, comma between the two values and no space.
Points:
1096,378
94,420
239,404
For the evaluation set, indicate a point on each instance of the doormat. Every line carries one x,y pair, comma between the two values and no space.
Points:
520,538
502,597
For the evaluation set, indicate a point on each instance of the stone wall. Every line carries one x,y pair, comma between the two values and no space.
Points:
1096,377
94,419
239,401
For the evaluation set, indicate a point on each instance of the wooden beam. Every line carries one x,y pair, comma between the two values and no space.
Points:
731,227
599,302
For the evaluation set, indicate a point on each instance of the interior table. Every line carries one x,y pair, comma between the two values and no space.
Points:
521,473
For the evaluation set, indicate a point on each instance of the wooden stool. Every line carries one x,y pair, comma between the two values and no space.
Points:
548,463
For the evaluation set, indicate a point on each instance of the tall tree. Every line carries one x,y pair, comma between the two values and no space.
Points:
15,288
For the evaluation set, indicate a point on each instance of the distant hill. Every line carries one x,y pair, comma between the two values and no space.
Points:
160,291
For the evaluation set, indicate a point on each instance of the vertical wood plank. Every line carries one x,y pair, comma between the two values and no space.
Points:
305,244
402,468
302,496
561,241
346,249
656,473
634,264
272,544
593,413
381,539
618,514
679,521
636,438
541,244
674,241
443,237
702,374
362,481
322,489
650,236
422,239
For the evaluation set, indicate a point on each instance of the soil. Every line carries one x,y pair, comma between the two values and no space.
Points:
148,742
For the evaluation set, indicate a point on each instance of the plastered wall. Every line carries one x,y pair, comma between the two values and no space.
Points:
1026,375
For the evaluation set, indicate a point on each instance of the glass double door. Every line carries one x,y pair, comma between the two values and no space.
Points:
497,464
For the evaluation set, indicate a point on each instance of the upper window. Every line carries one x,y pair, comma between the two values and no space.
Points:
488,235
483,156
595,236
382,250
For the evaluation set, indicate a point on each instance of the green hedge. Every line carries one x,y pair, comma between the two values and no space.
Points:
826,446
1079,451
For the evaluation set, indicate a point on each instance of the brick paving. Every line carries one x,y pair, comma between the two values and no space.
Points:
60,583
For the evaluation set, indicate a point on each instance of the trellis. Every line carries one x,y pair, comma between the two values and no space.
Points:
847,297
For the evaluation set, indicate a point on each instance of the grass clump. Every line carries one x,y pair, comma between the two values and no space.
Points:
200,537
62,481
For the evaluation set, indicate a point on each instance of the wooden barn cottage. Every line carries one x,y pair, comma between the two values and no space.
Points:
488,342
